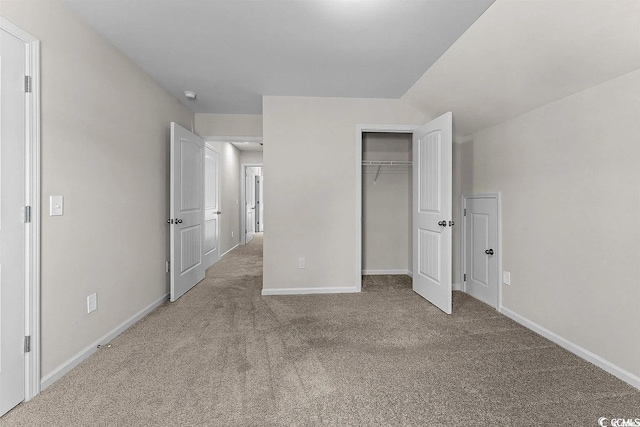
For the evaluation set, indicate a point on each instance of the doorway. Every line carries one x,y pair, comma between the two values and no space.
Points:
481,251
252,213
386,207
19,216
431,208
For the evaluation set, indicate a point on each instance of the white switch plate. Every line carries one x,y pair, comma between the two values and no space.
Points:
506,277
232,234
92,303
302,263
56,205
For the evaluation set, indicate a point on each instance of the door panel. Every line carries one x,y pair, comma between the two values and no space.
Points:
212,208
250,204
432,171
187,210
481,235
12,225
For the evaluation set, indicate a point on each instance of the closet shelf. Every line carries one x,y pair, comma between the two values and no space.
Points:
381,163
386,163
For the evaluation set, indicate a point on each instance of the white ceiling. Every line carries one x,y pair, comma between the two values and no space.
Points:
247,145
520,55
231,52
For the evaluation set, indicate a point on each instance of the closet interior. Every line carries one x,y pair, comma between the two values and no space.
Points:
386,208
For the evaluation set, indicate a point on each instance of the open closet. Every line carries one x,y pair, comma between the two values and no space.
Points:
386,209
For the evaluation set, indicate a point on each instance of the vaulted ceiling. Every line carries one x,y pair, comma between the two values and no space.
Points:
232,52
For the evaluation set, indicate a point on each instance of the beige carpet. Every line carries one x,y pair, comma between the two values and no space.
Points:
225,356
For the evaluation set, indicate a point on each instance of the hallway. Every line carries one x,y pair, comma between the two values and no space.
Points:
223,355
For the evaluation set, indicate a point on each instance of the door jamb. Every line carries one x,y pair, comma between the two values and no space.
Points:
243,211
463,236
32,198
360,129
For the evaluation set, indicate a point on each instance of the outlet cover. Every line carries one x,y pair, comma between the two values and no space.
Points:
92,303
56,206
302,263
506,277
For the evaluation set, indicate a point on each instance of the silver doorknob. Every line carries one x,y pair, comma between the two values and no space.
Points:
442,223
489,252
178,221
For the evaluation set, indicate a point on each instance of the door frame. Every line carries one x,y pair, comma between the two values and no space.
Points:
360,129
463,236
32,198
243,211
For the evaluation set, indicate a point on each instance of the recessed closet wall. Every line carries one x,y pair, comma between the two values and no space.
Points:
386,203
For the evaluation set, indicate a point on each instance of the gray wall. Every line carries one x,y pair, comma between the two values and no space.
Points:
569,176
310,154
105,147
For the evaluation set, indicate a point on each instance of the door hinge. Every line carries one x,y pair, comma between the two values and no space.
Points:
27,344
27,84
168,267
464,277
27,214
465,212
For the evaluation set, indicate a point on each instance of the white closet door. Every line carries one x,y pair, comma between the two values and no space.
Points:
432,176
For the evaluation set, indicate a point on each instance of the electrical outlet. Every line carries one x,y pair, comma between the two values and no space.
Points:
506,277
302,263
92,303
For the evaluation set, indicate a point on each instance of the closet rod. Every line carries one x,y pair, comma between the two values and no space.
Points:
386,163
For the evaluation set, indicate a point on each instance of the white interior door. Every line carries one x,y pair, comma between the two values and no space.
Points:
211,207
187,210
12,221
258,214
432,219
481,249
250,204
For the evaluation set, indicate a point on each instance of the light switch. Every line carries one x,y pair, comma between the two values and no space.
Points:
56,205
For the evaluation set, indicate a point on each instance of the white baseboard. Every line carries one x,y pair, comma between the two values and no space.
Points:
74,361
306,291
456,286
381,272
587,355
238,244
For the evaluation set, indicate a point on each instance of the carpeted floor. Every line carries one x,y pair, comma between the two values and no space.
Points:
223,355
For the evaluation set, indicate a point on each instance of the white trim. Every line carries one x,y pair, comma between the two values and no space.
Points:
308,291
243,211
80,357
359,130
495,195
233,138
384,272
32,198
237,244
587,355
